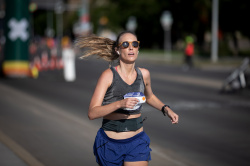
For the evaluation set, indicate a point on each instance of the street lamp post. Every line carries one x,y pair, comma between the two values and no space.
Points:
167,21
131,24
49,30
59,9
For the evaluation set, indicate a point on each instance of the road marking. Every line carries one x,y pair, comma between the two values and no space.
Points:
19,151
188,80
49,108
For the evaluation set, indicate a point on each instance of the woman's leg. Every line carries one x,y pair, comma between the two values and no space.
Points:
136,163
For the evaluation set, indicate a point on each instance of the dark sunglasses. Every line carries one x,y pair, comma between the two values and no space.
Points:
125,44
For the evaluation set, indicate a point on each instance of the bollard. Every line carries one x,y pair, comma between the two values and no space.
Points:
68,56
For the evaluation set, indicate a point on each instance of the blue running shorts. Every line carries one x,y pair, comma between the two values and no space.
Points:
112,152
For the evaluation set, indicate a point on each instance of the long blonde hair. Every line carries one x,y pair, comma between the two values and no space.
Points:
100,46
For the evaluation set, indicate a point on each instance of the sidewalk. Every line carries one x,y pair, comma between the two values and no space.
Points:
228,63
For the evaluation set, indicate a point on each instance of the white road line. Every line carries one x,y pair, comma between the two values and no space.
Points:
49,108
19,151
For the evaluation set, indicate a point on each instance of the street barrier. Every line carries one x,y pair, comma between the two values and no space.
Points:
236,80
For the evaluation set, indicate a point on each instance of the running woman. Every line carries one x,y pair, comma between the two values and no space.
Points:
121,139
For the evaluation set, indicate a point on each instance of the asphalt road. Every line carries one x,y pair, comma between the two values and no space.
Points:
44,121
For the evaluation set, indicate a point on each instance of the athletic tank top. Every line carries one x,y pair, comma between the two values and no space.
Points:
119,88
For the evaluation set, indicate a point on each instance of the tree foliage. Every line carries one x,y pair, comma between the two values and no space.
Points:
189,17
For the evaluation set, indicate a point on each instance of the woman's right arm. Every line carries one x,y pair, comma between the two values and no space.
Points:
96,110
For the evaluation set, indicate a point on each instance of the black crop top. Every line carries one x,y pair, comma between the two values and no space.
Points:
119,88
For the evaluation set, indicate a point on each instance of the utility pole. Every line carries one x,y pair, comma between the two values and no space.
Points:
59,9
167,21
215,20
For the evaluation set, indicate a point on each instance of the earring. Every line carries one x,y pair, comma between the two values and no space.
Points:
118,53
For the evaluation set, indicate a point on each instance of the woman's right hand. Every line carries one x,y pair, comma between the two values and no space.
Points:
129,102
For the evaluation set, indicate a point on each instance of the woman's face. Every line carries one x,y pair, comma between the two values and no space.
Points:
130,53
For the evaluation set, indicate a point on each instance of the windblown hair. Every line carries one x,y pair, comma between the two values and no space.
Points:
100,46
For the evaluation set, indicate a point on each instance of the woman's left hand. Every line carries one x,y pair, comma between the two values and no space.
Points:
173,116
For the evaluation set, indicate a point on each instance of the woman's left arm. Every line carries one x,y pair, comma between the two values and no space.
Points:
153,101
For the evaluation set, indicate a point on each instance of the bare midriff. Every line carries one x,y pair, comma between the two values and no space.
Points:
122,135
